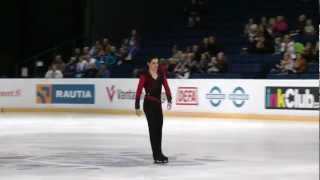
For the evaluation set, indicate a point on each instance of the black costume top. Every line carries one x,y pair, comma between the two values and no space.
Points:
152,88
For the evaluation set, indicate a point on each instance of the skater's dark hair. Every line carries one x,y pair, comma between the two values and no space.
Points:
150,58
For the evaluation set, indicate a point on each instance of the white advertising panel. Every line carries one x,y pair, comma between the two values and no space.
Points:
270,97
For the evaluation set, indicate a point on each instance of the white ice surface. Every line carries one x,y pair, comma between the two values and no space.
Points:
101,147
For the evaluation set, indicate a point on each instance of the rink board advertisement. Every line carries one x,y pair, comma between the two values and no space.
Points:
273,97
65,93
292,98
15,94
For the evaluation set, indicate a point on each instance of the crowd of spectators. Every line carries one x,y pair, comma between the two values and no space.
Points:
273,35
95,61
269,34
207,57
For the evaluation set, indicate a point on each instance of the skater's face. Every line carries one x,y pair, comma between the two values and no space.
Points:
153,64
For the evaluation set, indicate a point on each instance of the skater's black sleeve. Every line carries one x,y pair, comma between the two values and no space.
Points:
167,88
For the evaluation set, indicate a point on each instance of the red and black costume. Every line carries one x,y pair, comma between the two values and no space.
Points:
152,107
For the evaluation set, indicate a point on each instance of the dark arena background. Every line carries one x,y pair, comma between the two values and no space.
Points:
243,77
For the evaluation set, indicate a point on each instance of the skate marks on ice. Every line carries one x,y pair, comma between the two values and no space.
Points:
83,151
92,161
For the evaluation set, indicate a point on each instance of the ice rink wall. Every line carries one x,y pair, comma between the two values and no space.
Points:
240,99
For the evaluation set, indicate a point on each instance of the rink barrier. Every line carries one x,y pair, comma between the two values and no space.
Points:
296,100
213,116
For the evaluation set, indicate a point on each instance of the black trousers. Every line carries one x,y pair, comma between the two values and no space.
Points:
153,112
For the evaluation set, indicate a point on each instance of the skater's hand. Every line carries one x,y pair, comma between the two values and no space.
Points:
138,112
169,106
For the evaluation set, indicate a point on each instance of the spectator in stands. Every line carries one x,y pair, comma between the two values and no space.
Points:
309,28
177,57
125,43
189,59
263,41
308,52
205,59
182,71
252,35
260,45
191,63
121,55
277,45
96,49
200,66
77,53
59,63
71,68
213,46
299,47
301,23
111,58
204,46
300,65
222,63
247,27
105,43
81,67
101,57
196,53
288,46
54,73
133,48
212,66
271,24
124,47
134,39
286,65
218,64
264,21
85,52
280,26
91,69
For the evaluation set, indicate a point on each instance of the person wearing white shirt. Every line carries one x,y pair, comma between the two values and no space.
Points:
54,73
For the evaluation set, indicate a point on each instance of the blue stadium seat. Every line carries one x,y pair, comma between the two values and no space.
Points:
313,68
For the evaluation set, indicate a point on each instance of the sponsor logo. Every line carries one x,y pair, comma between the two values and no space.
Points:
238,97
11,93
120,94
295,98
44,94
187,96
129,95
65,94
215,96
111,92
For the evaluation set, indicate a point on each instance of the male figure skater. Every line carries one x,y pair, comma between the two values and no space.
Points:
152,81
